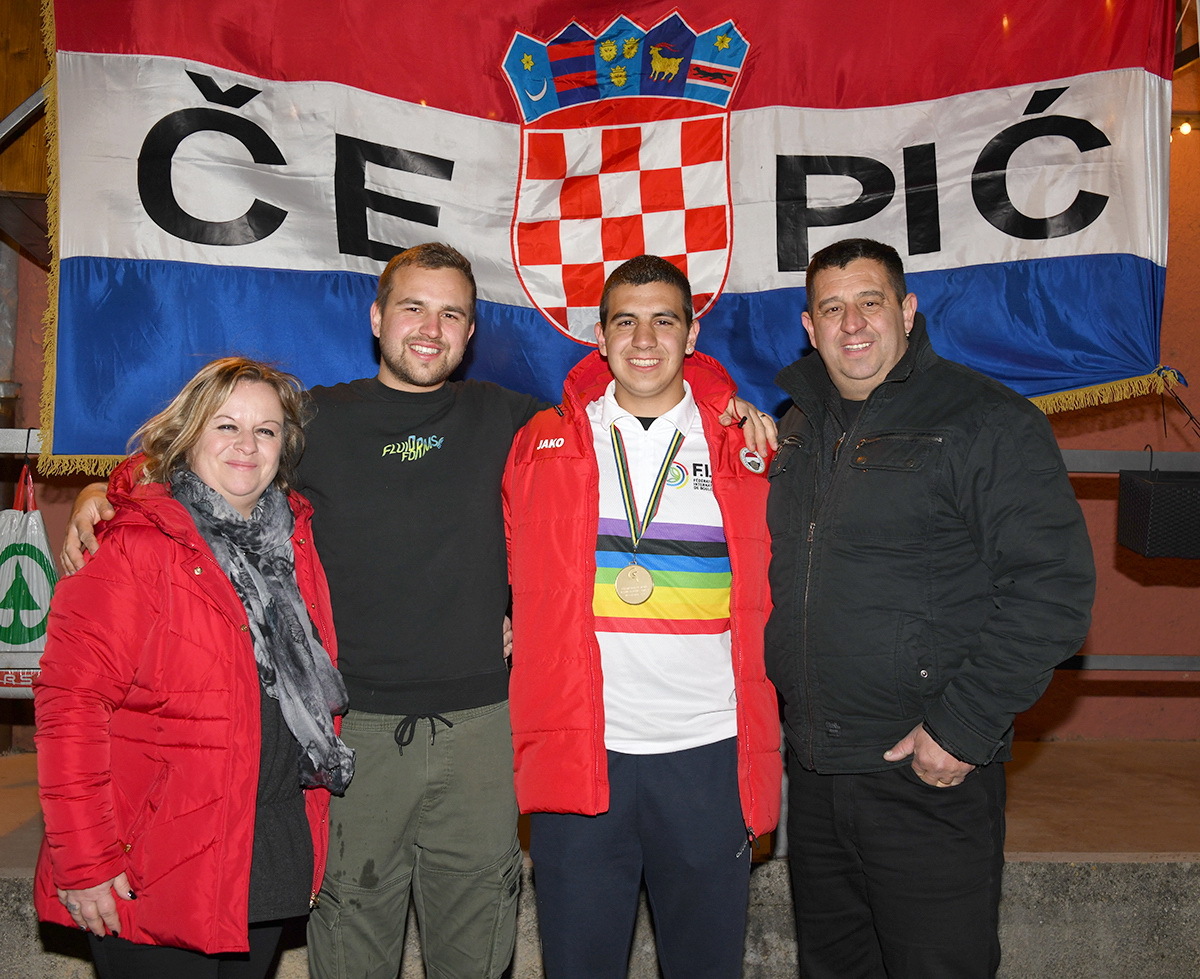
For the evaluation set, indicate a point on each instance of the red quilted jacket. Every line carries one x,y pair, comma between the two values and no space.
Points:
556,692
148,726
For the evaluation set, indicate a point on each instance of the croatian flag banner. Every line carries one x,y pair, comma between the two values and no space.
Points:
233,174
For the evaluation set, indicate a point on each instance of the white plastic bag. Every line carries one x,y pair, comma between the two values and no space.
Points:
27,579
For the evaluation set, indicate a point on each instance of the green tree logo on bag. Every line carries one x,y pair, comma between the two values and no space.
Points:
18,625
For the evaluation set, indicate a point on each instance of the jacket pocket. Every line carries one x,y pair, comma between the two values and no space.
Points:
144,816
896,451
504,928
915,662
890,490
783,458
789,476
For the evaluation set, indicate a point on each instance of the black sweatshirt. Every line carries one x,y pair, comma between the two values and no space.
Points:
409,526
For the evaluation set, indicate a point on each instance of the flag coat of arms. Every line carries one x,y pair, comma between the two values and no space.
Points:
232,175
624,152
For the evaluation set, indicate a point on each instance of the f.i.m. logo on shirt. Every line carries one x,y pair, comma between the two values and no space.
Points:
702,476
413,447
624,151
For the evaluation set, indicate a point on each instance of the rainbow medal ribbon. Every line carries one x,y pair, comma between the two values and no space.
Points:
634,583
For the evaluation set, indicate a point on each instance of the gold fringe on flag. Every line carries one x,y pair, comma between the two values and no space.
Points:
48,463
1162,379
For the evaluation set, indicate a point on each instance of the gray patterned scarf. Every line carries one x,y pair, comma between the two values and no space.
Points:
293,667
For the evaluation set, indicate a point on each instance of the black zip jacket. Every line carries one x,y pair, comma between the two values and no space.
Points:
929,564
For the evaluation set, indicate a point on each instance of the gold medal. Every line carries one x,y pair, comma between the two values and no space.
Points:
634,584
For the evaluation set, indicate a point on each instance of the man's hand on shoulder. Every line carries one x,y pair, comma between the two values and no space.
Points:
757,427
91,507
933,764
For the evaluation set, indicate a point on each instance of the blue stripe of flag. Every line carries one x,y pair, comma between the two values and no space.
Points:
131,332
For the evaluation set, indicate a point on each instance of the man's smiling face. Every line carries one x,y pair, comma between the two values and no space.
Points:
858,325
424,329
645,339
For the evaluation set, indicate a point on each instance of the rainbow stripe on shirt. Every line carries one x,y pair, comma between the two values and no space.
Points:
692,577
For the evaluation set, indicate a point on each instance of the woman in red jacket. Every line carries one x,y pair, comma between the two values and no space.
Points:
186,742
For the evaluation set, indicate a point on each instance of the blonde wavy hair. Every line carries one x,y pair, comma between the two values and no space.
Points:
168,437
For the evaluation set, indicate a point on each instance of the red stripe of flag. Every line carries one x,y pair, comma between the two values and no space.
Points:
976,46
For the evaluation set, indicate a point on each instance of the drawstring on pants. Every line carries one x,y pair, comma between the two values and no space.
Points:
406,730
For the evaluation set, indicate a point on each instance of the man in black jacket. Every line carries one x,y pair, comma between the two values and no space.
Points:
930,567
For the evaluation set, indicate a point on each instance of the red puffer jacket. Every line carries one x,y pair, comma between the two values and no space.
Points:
148,726
556,689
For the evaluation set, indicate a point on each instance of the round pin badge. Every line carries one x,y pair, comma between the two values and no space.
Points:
752,460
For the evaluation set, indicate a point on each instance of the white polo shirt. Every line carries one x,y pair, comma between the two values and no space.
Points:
668,670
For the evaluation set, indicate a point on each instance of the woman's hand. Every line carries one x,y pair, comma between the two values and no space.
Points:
95,908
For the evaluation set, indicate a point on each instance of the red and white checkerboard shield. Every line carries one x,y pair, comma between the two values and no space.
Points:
634,176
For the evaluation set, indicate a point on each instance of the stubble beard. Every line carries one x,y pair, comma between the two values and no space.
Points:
421,376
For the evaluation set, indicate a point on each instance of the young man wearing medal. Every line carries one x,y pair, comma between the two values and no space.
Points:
646,733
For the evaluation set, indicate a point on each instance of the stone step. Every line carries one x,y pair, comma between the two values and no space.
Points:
1066,920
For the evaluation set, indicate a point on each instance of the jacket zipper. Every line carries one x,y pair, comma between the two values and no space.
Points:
734,644
583,431
150,804
808,562
937,439
810,541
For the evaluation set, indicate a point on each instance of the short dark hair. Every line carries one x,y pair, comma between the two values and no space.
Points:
642,271
842,253
431,255
168,437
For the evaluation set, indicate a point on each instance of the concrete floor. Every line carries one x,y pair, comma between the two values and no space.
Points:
1104,801
20,815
